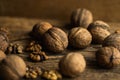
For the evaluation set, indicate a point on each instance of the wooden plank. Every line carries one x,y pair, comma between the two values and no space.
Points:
19,29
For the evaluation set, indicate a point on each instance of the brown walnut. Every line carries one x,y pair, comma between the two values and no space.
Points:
72,64
39,29
99,31
2,55
108,57
12,68
55,40
112,40
79,37
81,17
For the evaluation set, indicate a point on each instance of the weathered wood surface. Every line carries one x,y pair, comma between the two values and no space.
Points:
19,29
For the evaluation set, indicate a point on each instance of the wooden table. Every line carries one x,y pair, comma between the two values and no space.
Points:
19,29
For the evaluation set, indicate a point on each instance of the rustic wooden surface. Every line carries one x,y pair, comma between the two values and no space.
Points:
19,29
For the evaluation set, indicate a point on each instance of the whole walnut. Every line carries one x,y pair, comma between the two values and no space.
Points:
40,28
55,40
112,40
81,17
79,37
72,64
12,68
4,41
99,31
108,57
2,55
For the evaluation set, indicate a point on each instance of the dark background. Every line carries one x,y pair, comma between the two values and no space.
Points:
106,10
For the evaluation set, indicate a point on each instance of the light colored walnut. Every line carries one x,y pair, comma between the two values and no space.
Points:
2,55
72,64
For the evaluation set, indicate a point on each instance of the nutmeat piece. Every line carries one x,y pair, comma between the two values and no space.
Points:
12,68
72,64
14,49
33,72
39,29
2,55
51,75
108,57
112,40
117,31
79,37
38,56
4,41
99,31
34,47
55,40
4,30
81,17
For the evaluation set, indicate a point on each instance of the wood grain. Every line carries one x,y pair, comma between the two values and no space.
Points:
19,29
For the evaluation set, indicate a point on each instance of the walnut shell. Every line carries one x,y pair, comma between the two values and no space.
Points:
112,40
4,41
99,31
72,64
40,28
81,17
55,40
79,37
2,55
108,57
12,68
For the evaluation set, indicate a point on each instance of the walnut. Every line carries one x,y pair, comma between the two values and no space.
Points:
39,29
4,30
33,72
14,49
79,37
12,68
4,41
108,57
2,55
117,31
72,64
34,47
38,56
51,75
99,31
81,17
112,40
55,40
